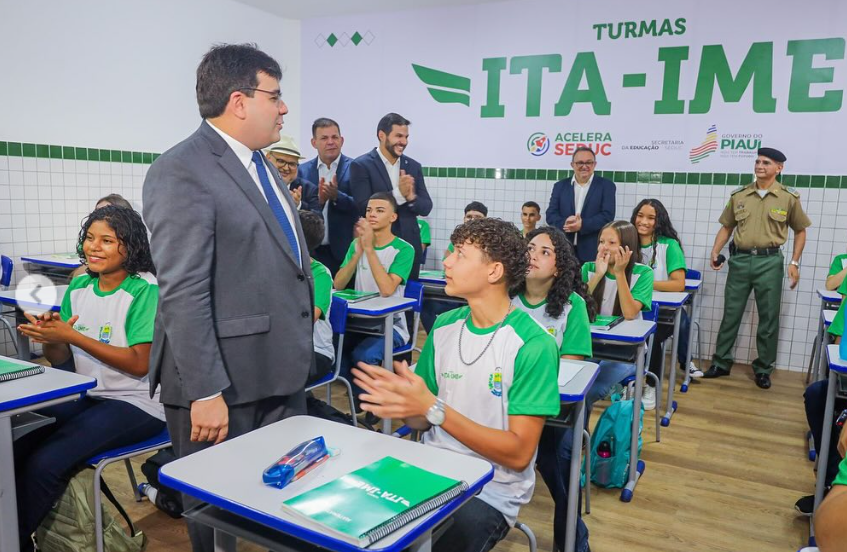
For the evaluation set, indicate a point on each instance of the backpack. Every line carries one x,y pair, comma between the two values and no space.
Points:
69,525
610,444
319,409
167,499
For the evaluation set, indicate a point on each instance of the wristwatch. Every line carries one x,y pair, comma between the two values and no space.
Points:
435,414
795,263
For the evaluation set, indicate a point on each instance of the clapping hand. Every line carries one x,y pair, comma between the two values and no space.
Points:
622,257
49,328
407,186
602,261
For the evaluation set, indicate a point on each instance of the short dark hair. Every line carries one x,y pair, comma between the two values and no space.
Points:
131,234
385,196
116,200
313,229
389,121
500,242
584,148
532,204
323,122
476,206
229,67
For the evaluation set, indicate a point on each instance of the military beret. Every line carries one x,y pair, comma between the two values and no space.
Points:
772,153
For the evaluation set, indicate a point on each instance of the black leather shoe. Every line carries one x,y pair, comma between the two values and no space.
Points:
763,381
715,372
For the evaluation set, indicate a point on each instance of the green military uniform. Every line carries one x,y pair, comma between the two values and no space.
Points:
761,227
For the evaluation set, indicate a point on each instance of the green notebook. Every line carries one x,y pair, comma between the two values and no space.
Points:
606,322
432,274
366,505
11,370
353,296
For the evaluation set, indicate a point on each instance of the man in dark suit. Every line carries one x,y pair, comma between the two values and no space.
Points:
581,205
232,344
331,170
285,156
386,169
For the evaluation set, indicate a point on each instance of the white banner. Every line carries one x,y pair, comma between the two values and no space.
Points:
662,86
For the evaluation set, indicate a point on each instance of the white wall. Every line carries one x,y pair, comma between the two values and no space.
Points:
108,75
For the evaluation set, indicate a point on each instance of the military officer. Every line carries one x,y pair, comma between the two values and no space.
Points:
760,215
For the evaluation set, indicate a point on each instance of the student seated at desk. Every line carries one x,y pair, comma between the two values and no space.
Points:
382,263
617,260
313,231
837,271
106,323
557,298
426,234
431,309
661,250
112,199
484,383
830,529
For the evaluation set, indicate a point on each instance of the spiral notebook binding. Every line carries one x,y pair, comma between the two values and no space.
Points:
22,373
399,521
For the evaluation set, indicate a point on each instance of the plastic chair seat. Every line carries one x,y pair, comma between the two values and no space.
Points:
161,440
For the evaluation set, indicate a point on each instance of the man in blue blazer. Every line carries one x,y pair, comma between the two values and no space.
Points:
386,169
331,170
582,205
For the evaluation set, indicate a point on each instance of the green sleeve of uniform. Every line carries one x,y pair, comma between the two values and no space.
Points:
841,478
842,289
426,363
837,326
675,258
77,283
535,390
577,338
350,252
403,261
836,265
643,289
323,287
426,237
142,315
450,247
587,269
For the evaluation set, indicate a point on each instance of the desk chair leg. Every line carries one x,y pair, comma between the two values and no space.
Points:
658,385
811,368
98,507
13,339
533,544
132,481
586,439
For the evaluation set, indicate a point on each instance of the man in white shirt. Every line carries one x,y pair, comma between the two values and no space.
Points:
387,169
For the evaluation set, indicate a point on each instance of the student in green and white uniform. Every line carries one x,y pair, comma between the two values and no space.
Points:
313,231
617,254
661,250
106,325
557,298
382,263
830,529
484,383
426,234
837,271
431,309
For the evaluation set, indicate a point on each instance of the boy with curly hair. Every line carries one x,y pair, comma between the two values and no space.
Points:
484,383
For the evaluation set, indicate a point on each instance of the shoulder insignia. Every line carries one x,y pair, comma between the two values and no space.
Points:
739,189
793,191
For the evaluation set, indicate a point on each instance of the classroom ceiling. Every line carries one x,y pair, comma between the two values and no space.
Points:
307,9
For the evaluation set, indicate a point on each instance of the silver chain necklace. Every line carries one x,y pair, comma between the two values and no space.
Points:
490,340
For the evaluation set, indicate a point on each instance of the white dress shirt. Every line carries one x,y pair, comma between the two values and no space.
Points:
326,173
393,175
579,193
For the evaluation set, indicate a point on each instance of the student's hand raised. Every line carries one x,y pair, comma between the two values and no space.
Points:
601,263
209,420
366,234
622,257
401,394
49,328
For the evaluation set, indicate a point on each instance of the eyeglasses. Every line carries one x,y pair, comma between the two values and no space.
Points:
289,164
585,163
275,94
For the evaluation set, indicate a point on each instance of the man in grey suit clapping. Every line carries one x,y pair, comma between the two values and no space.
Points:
233,336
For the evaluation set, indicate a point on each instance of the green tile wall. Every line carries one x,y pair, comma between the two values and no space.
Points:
47,151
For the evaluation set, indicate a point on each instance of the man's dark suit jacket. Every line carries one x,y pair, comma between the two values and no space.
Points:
368,176
598,210
342,213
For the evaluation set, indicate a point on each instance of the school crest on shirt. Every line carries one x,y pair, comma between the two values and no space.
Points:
495,382
551,330
105,335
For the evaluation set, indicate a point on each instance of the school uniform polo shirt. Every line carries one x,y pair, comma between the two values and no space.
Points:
571,329
640,284
668,258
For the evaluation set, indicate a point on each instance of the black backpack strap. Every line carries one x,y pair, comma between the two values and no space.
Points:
108,492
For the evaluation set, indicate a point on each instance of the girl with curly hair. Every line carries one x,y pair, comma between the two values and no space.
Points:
557,298
106,325
661,250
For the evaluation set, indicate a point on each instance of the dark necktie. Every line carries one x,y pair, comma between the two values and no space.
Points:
276,206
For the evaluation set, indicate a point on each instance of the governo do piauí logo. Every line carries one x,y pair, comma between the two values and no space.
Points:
538,144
